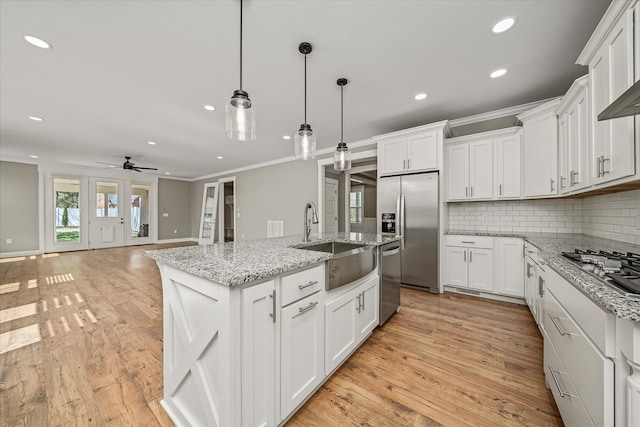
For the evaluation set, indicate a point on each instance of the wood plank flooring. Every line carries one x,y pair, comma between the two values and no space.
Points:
91,354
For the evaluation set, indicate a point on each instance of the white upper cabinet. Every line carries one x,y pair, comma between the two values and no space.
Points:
610,57
484,166
508,154
470,170
540,154
573,136
413,150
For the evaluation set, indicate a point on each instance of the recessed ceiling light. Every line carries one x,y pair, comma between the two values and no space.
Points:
34,156
210,108
286,137
420,96
498,73
220,157
36,119
167,173
504,24
151,143
37,42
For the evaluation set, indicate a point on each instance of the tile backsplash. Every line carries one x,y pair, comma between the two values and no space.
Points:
611,216
546,216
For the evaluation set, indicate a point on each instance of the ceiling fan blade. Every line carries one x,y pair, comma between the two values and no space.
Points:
136,169
140,167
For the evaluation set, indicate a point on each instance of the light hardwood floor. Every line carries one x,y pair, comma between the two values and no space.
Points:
81,344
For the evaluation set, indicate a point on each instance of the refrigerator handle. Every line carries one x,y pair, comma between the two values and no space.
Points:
398,233
403,222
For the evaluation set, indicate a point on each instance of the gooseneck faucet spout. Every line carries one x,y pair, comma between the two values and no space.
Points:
307,222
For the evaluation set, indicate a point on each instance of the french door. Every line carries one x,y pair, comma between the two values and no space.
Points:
106,213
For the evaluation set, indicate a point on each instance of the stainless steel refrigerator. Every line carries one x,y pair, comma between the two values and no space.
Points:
409,208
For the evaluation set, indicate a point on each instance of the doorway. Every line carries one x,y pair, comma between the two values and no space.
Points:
106,213
227,209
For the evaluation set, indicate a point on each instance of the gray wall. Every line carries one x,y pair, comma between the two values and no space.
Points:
370,202
175,198
277,192
19,208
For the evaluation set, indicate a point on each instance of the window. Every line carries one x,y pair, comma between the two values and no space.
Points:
106,199
67,210
355,204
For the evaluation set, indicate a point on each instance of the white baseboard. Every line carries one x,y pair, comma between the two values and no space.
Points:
184,239
473,292
20,254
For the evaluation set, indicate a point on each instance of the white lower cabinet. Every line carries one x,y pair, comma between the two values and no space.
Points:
349,318
576,333
258,354
469,262
302,351
510,267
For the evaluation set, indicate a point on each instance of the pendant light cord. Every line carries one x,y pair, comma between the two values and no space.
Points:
240,44
341,113
305,88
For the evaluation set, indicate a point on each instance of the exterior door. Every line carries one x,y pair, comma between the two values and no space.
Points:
330,205
106,213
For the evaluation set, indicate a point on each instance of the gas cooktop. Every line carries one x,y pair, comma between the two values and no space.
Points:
619,270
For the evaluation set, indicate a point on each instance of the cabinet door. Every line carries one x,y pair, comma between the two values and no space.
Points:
422,152
458,171
456,266
302,351
541,156
368,313
529,279
258,355
510,272
611,73
509,158
563,155
341,330
481,169
481,269
577,123
392,156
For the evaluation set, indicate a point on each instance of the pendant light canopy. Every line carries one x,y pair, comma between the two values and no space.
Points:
342,155
241,116
305,141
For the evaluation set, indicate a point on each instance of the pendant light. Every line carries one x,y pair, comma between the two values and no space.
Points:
342,155
305,141
241,116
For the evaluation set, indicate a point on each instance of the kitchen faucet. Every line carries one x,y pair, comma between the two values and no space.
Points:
307,222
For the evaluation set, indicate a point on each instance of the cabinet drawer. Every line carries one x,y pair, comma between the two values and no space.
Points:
299,285
590,371
470,241
564,393
598,325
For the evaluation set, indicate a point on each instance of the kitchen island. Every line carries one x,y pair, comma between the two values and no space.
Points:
250,332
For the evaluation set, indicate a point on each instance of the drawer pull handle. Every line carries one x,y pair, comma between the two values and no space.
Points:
555,321
307,308
469,242
311,283
555,380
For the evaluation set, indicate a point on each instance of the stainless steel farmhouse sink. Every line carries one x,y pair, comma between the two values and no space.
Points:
350,262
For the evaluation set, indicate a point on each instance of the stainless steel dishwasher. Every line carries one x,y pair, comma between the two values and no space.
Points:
390,276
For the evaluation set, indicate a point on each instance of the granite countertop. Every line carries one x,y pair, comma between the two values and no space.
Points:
552,245
235,263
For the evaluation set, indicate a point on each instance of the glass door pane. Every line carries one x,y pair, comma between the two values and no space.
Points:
66,193
140,212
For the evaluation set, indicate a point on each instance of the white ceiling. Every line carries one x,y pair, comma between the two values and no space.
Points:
122,73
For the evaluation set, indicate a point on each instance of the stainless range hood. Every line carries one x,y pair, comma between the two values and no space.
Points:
627,104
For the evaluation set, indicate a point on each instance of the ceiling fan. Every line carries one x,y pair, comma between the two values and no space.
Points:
129,165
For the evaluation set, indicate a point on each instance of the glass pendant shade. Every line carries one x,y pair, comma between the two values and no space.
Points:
241,117
342,158
305,143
